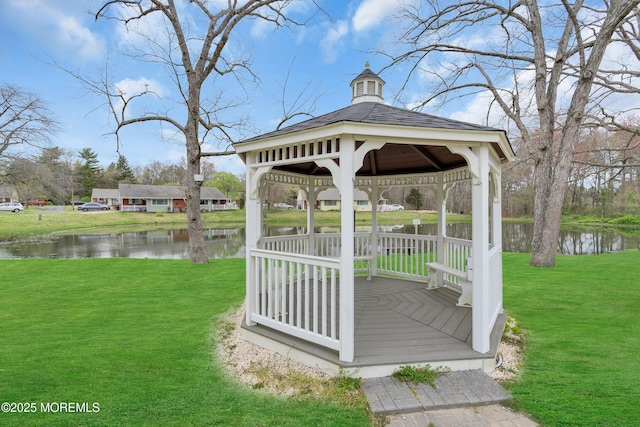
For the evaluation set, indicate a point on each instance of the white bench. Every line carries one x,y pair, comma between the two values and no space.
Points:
466,296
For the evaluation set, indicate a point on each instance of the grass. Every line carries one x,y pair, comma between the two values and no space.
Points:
417,375
135,336
581,363
35,221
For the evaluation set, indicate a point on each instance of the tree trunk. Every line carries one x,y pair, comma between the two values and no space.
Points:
197,250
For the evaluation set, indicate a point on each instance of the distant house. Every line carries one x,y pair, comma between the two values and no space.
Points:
106,196
329,200
8,194
164,198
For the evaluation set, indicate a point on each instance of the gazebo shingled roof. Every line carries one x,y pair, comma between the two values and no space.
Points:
398,158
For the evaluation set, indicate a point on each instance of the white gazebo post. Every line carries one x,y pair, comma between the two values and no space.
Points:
496,230
311,210
441,202
347,304
480,252
253,206
374,226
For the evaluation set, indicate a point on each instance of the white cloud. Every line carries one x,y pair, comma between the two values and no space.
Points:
332,40
57,27
129,88
371,13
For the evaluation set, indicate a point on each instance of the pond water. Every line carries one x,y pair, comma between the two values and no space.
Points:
229,243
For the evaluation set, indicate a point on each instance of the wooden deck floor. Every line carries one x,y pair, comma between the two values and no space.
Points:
401,322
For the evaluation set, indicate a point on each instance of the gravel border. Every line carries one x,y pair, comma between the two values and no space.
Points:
262,369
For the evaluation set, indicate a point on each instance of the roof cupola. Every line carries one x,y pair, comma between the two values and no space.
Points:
367,87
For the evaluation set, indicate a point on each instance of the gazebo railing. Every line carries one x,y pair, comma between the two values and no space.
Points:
291,243
400,255
297,294
405,255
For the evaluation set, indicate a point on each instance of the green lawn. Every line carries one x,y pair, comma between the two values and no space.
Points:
135,336
35,221
582,365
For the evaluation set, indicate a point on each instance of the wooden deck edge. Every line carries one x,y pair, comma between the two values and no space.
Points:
327,361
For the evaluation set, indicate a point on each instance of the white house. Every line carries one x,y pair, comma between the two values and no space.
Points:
329,200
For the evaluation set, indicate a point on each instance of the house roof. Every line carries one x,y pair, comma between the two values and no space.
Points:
141,191
104,193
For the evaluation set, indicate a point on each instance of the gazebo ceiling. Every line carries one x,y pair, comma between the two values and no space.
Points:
392,159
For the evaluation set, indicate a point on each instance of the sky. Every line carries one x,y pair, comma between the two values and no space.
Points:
316,61
323,57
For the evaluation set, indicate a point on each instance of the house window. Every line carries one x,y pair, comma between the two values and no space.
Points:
362,202
136,201
159,202
331,203
359,88
204,202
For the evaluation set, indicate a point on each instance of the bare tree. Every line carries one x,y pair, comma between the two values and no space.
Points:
25,121
541,65
189,39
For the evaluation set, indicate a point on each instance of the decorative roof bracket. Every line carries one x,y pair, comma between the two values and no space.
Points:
473,162
255,180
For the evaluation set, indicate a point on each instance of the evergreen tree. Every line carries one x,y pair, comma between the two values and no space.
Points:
124,173
88,172
414,198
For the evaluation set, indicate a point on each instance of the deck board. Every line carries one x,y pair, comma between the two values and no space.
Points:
400,321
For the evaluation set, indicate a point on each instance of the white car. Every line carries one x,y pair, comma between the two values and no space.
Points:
11,206
282,206
391,208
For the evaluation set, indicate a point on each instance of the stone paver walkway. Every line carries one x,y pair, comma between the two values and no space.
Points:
460,398
477,416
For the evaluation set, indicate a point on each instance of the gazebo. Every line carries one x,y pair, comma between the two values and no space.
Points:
368,302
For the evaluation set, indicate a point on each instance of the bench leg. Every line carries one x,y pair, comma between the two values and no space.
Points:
466,298
433,279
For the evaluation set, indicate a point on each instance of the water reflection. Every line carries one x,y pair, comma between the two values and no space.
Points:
230,243
220,243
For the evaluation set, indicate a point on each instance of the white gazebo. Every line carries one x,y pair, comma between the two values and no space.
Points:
370,302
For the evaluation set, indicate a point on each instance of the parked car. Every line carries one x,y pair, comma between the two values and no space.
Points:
92,206
11,206
282,206
391,208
